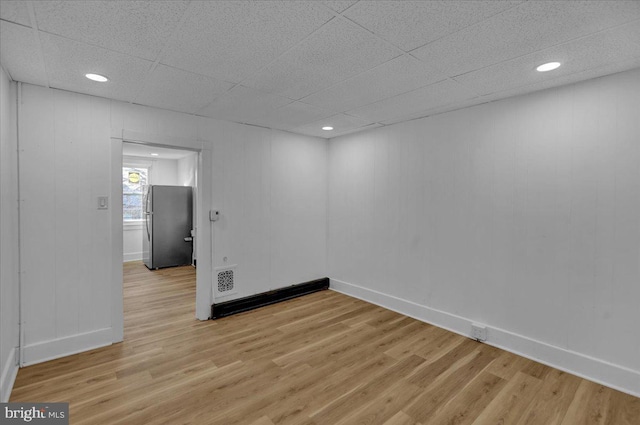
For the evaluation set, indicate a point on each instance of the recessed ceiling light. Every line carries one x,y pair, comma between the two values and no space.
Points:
97,77
548,66
155,154
327,128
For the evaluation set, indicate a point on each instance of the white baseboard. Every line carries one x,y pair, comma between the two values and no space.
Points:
593,369
61,347
8,377
132,256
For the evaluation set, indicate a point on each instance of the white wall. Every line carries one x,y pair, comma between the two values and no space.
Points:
188,176
9,338
132,241
162,172
186,170
270,187
522,214
65,239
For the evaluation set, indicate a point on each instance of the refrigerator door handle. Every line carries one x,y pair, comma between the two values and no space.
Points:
146,223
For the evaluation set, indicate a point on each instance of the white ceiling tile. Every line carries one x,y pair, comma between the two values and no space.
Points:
600,71
339,6
243,104
355,130
341,123
337,51
422,99
299,64
137,28
234,39
411,24
291,116
436,110
15,11
529,27
67,61
589,52
19,54
179,90
394,77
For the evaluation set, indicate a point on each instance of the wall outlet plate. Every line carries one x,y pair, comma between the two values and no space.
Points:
103,202
478,332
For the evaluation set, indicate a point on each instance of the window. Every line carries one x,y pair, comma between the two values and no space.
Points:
134,180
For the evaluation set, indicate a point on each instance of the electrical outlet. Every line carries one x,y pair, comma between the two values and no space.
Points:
478,332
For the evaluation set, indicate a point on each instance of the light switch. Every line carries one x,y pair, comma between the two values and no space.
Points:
103,202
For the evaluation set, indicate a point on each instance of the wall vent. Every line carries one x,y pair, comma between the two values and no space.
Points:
225,281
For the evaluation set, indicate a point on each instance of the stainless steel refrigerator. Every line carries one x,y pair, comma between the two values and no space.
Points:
166,237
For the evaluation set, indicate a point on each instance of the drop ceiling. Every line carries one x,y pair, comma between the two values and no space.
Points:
301,65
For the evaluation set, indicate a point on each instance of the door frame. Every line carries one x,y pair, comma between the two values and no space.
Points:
204,228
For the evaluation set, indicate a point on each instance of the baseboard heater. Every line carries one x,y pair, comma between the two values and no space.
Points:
228,308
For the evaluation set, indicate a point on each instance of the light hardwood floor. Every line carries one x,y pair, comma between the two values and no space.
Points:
321,359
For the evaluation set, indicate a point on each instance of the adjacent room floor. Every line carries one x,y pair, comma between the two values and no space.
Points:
324,358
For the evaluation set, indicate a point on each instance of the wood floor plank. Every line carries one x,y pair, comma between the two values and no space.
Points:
511,403
335,411
401,418
552,401
590,405
324,358
447,385
472,400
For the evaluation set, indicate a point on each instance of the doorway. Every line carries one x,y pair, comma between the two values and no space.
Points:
171,173
203,236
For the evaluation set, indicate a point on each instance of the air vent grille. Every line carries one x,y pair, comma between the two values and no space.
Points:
225,281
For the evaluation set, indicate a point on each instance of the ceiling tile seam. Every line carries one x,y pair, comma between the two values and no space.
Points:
8,73
387,42
274,60
228,93
339,15
209,77
384,40
476,96
449,78
346,80
470,25
434,111
248,123
547,48
154,65
473,90
347,9
36,35
15,23
346,111
165,108
352,22
93,45
150,72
